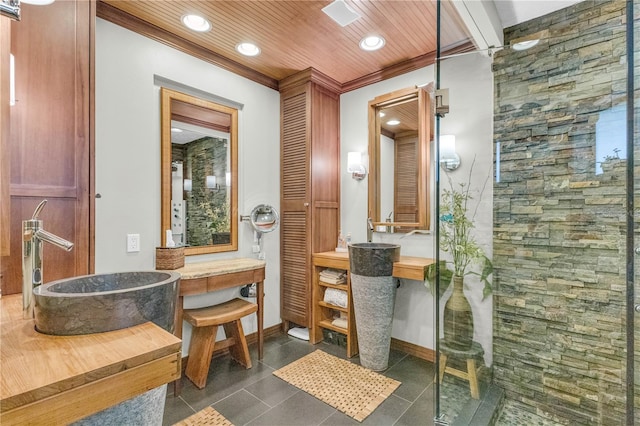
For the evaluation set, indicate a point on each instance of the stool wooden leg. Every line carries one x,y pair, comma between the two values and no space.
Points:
443,366
239,351
473,378
203,340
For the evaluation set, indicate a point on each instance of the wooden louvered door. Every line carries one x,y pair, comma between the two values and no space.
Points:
310,189
294,205
406,177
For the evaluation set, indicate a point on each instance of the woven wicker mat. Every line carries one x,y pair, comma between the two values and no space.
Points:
206,417
350,388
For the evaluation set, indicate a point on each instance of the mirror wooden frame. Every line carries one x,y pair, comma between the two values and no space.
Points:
425,134
167,96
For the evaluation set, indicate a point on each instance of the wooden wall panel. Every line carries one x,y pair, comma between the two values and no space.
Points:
5,213
51,142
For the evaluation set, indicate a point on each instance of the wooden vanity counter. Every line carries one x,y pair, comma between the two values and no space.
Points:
60,379
409,267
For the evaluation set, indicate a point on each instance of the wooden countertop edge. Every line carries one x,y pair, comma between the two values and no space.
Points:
79,402
29,376
87,378
409,267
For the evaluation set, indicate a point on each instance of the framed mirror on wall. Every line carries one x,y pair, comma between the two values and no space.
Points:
199,173
400,129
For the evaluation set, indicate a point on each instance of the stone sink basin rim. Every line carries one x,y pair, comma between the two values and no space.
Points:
373,259
105,302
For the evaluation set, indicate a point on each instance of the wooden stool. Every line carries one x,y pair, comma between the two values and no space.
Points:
205,322
471,375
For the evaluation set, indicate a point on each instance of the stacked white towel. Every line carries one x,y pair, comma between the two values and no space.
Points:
340,322
336,297
333,276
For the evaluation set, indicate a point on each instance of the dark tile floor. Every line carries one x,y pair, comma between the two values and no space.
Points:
256,397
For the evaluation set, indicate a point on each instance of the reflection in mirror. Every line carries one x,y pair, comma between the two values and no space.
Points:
399,133
199,173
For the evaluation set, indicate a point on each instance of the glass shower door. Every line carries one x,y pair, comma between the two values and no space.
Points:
562,329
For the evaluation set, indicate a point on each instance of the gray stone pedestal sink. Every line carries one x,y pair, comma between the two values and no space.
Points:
374,295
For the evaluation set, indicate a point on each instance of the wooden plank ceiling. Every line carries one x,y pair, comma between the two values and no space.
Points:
296,35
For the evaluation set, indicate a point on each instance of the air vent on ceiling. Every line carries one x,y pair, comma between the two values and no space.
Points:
340,12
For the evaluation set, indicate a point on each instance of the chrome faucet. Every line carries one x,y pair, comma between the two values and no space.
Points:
32,237
369,229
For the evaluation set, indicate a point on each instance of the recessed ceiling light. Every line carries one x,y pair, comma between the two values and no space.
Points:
524,45
393,122
248,49
372,43
196,23
176,130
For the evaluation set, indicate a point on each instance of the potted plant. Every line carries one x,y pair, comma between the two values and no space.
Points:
456,238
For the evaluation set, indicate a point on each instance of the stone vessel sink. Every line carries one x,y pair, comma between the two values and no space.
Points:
106,302
373,258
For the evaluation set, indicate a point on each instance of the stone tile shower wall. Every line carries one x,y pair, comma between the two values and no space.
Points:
204,157
559,234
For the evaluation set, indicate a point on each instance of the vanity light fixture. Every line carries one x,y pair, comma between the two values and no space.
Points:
355,166
196,23
188,185
372,42
212,184
449,159
227,179
248,49
393,122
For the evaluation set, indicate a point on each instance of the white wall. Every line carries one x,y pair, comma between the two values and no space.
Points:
128,155
470,84
128,159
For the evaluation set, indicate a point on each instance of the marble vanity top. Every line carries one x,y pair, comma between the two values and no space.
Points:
219,267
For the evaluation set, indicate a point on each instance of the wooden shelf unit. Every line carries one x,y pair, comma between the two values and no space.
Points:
323,311
408,267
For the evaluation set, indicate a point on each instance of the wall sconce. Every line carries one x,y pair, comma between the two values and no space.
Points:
212,184
355,167
227,179
187,185
449,159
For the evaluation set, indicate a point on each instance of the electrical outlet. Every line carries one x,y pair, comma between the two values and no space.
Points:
255,248
133,243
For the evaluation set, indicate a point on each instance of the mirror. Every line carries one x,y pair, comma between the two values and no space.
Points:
199,173
400,128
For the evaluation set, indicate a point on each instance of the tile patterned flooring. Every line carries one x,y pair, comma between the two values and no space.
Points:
256,397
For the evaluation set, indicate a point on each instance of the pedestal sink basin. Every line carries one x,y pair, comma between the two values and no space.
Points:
374,295
106,302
